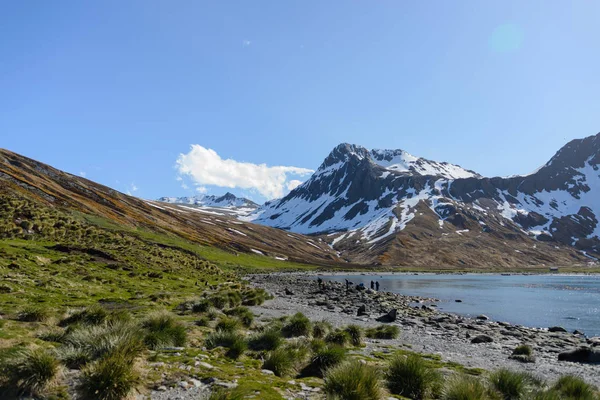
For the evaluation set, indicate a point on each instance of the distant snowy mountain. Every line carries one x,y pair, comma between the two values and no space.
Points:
363,199
228,203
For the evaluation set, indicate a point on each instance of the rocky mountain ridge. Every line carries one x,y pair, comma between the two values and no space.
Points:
364,201
228,200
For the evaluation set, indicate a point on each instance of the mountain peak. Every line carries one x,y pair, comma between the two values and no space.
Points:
344,152
577,153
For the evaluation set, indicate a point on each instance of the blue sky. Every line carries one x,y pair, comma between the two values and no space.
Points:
119,89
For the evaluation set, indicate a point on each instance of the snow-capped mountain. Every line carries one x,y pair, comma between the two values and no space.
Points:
228,200
365,198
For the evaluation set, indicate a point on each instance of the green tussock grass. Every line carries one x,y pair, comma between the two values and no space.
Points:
110,378
412,377
164,330
353,381
383,332
29,371
297,325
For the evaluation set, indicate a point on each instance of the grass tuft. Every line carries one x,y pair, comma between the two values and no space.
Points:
227,324
510,384
232,341
353,381
111,378
355,333
383,332
281,362
34,314
30,371
321,329
297,325
244,314
338,337
324,358
464,387
163,330
268,340
573,387
93,315
411,377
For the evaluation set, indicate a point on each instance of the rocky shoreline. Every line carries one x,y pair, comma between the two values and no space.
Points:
473,343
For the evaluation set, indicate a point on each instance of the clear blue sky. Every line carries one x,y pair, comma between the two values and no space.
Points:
118,89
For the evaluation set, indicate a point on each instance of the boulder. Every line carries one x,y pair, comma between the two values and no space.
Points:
556,329
594,341
482,339
288,292
581,355
482,317
362,310
389,317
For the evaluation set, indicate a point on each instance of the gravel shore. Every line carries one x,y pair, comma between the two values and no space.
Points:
423,328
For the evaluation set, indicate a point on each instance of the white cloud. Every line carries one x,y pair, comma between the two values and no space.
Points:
82,174
293,184
205,167
201,189
131,189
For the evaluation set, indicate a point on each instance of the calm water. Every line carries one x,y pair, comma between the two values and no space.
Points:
572,302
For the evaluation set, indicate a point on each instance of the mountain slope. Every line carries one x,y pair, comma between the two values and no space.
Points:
37,183
384,200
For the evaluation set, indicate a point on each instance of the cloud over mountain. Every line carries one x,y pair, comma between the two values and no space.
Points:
205,167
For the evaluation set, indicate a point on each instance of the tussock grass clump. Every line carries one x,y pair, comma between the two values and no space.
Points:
34,314
163,330
510,384
321,329
353,381
244,314
383,332
268,340
212,314
234,298
228,394
573,387
232,341
523,349
219,301
255,297
464,387
546,395
87,343
411,377
30,371
92,315
338,337
523,353
324,358
227,324
110,378
297,325
355,333
202,321
54,335
201,306
281,361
